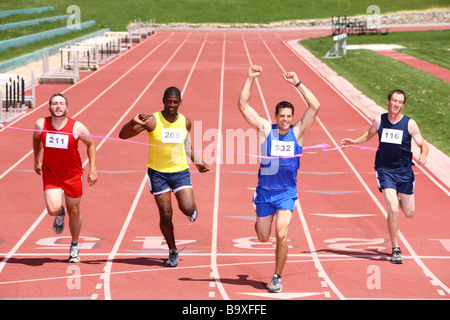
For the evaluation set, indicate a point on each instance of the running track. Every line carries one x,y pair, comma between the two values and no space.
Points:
338,235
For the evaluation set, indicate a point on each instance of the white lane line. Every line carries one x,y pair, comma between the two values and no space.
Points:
107,270
214,268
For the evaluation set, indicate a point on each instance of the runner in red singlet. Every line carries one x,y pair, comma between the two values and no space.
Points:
61,167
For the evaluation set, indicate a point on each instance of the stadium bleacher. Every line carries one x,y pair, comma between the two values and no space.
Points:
82,54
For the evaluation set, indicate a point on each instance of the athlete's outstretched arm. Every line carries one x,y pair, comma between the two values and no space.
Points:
366,136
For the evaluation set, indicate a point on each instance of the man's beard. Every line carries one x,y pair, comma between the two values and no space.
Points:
58,115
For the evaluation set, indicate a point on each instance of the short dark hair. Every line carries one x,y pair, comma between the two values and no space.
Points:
397,91
282,105
172,91
58,95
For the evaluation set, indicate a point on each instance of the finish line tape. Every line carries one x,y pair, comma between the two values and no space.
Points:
325,147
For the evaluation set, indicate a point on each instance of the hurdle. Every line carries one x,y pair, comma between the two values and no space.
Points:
87,57
60,77
342,24
333,53
14,102
135,32
124,36
139,30
92,51
105,47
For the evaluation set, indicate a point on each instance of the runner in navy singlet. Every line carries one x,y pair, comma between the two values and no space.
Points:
281,147
393,162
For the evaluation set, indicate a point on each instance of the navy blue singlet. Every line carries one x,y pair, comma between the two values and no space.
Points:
394,150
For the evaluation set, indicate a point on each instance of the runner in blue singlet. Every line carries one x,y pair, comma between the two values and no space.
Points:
276,192
393,162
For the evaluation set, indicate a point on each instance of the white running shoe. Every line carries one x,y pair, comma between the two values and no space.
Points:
193,217
74,253
276,284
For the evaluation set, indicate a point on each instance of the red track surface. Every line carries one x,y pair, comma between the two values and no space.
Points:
435,70
338,233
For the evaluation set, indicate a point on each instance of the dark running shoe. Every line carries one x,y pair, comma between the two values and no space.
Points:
58,223
396,256
173,258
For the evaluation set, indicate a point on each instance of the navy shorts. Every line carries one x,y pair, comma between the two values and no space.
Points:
162,182
267,202
403,182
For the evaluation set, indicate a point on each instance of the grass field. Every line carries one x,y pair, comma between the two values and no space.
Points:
428,97
116,14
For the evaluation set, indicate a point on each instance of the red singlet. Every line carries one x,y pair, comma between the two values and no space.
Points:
61,160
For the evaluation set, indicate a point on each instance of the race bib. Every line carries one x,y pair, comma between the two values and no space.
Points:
55,140
392,136
172,135
282,148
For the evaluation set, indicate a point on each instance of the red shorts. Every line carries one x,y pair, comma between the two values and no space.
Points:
73,187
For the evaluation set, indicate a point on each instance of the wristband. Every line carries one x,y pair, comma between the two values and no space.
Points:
298,83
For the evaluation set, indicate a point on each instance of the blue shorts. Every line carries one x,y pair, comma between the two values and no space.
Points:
267,202
162,182
403,182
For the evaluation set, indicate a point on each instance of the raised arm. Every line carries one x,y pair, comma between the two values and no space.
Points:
310,114
249,114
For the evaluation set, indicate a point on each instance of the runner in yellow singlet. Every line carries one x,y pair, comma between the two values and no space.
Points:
167,168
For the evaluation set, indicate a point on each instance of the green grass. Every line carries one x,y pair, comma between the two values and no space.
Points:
32,47
23,31
375,75
116,14
432,46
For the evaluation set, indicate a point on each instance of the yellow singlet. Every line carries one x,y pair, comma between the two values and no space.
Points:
166,152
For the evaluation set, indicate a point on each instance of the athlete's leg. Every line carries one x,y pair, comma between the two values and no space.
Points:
164,203
263,227
407,204
75,221
283,221
53,201
186,201
393,208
